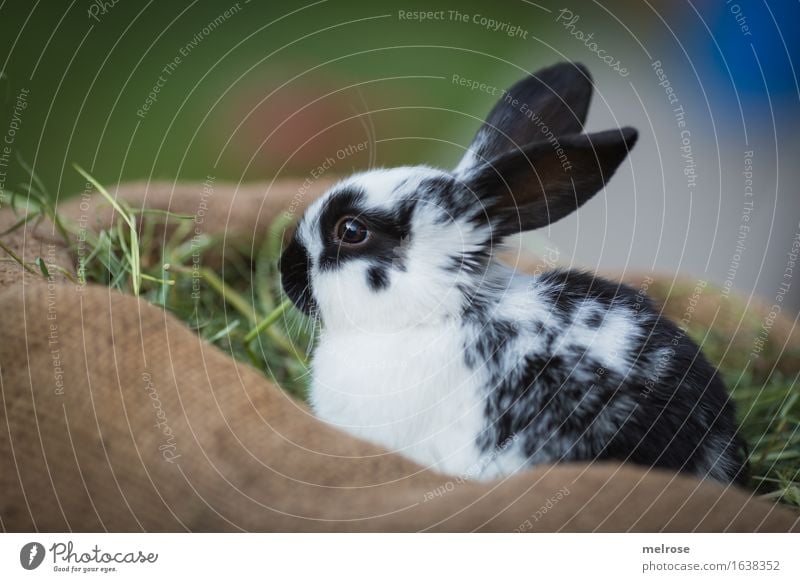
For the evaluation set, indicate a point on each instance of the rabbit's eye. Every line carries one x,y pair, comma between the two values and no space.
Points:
351,231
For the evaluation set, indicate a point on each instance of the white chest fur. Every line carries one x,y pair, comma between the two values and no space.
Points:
408,391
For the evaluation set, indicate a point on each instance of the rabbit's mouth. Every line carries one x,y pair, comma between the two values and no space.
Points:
295,265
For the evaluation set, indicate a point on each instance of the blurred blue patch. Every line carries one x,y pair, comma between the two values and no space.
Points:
742,28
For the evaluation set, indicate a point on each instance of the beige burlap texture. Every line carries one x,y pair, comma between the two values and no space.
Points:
117,417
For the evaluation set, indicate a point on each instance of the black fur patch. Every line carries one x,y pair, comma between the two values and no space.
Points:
568,289
377,278
558,95
490,343
670,412
295,264
389,232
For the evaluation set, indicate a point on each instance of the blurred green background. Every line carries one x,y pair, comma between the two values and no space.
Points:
348,71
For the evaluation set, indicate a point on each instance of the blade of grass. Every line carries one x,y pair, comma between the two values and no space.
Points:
43,199
160,212
268,321
24,220
133,254
228,294
224,331
16,259
42,267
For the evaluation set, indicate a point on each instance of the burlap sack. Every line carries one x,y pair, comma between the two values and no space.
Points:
117,417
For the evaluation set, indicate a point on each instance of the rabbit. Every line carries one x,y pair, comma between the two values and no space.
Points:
432,348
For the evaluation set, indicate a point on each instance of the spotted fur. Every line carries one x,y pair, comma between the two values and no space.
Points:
434,349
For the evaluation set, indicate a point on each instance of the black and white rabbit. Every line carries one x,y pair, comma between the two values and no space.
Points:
432,348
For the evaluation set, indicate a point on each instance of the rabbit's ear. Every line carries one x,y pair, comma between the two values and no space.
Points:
541,183
549,103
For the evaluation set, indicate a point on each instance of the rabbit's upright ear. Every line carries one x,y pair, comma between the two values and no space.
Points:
547,104
543,182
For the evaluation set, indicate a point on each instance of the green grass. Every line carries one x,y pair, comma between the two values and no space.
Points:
239,307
